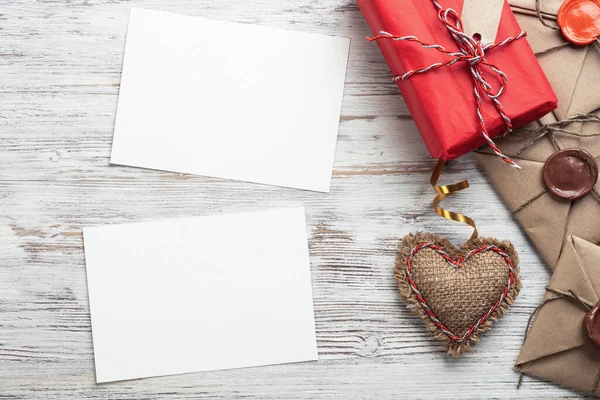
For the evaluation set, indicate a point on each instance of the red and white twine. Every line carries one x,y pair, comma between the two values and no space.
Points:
473,52
458,264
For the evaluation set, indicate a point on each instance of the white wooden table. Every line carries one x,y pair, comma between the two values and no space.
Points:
60,65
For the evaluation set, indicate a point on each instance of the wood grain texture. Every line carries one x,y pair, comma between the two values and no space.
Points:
60,65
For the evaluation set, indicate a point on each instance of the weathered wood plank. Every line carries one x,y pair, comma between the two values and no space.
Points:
59,80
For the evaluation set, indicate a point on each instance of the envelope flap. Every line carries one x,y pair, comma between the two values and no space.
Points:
543,216
589,257
519,186
545,220
563,68
584,220
586,96
559,324
540,37
558,327
576,368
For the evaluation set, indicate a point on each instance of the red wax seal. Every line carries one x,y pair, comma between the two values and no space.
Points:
571,173
592,324
579,20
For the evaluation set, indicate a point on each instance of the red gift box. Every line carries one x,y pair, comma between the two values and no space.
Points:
442,101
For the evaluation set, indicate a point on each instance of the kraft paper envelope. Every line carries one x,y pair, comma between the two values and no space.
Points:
574,73
557,347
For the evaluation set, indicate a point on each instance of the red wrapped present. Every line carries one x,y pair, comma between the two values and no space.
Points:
441,73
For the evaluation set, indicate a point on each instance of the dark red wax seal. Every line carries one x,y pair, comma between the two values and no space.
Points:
571,173
592,324
579,20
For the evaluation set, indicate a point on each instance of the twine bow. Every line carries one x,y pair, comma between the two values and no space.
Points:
472,52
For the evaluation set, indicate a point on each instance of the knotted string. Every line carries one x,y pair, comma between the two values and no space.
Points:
472,52
568,295
559,127
549,130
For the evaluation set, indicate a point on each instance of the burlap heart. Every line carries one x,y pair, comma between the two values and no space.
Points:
458,293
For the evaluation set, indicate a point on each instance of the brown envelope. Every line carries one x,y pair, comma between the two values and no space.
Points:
557,347
574,73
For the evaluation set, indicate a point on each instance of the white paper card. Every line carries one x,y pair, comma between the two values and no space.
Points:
229,100
201,293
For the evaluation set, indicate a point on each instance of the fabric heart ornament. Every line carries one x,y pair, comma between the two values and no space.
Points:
457,292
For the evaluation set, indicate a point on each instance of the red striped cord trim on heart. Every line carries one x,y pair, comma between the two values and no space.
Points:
458,264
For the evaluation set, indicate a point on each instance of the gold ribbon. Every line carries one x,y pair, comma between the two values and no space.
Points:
445,191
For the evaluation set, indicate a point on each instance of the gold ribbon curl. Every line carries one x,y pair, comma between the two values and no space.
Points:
445,191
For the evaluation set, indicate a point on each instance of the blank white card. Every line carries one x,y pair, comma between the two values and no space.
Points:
201,293
229,100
